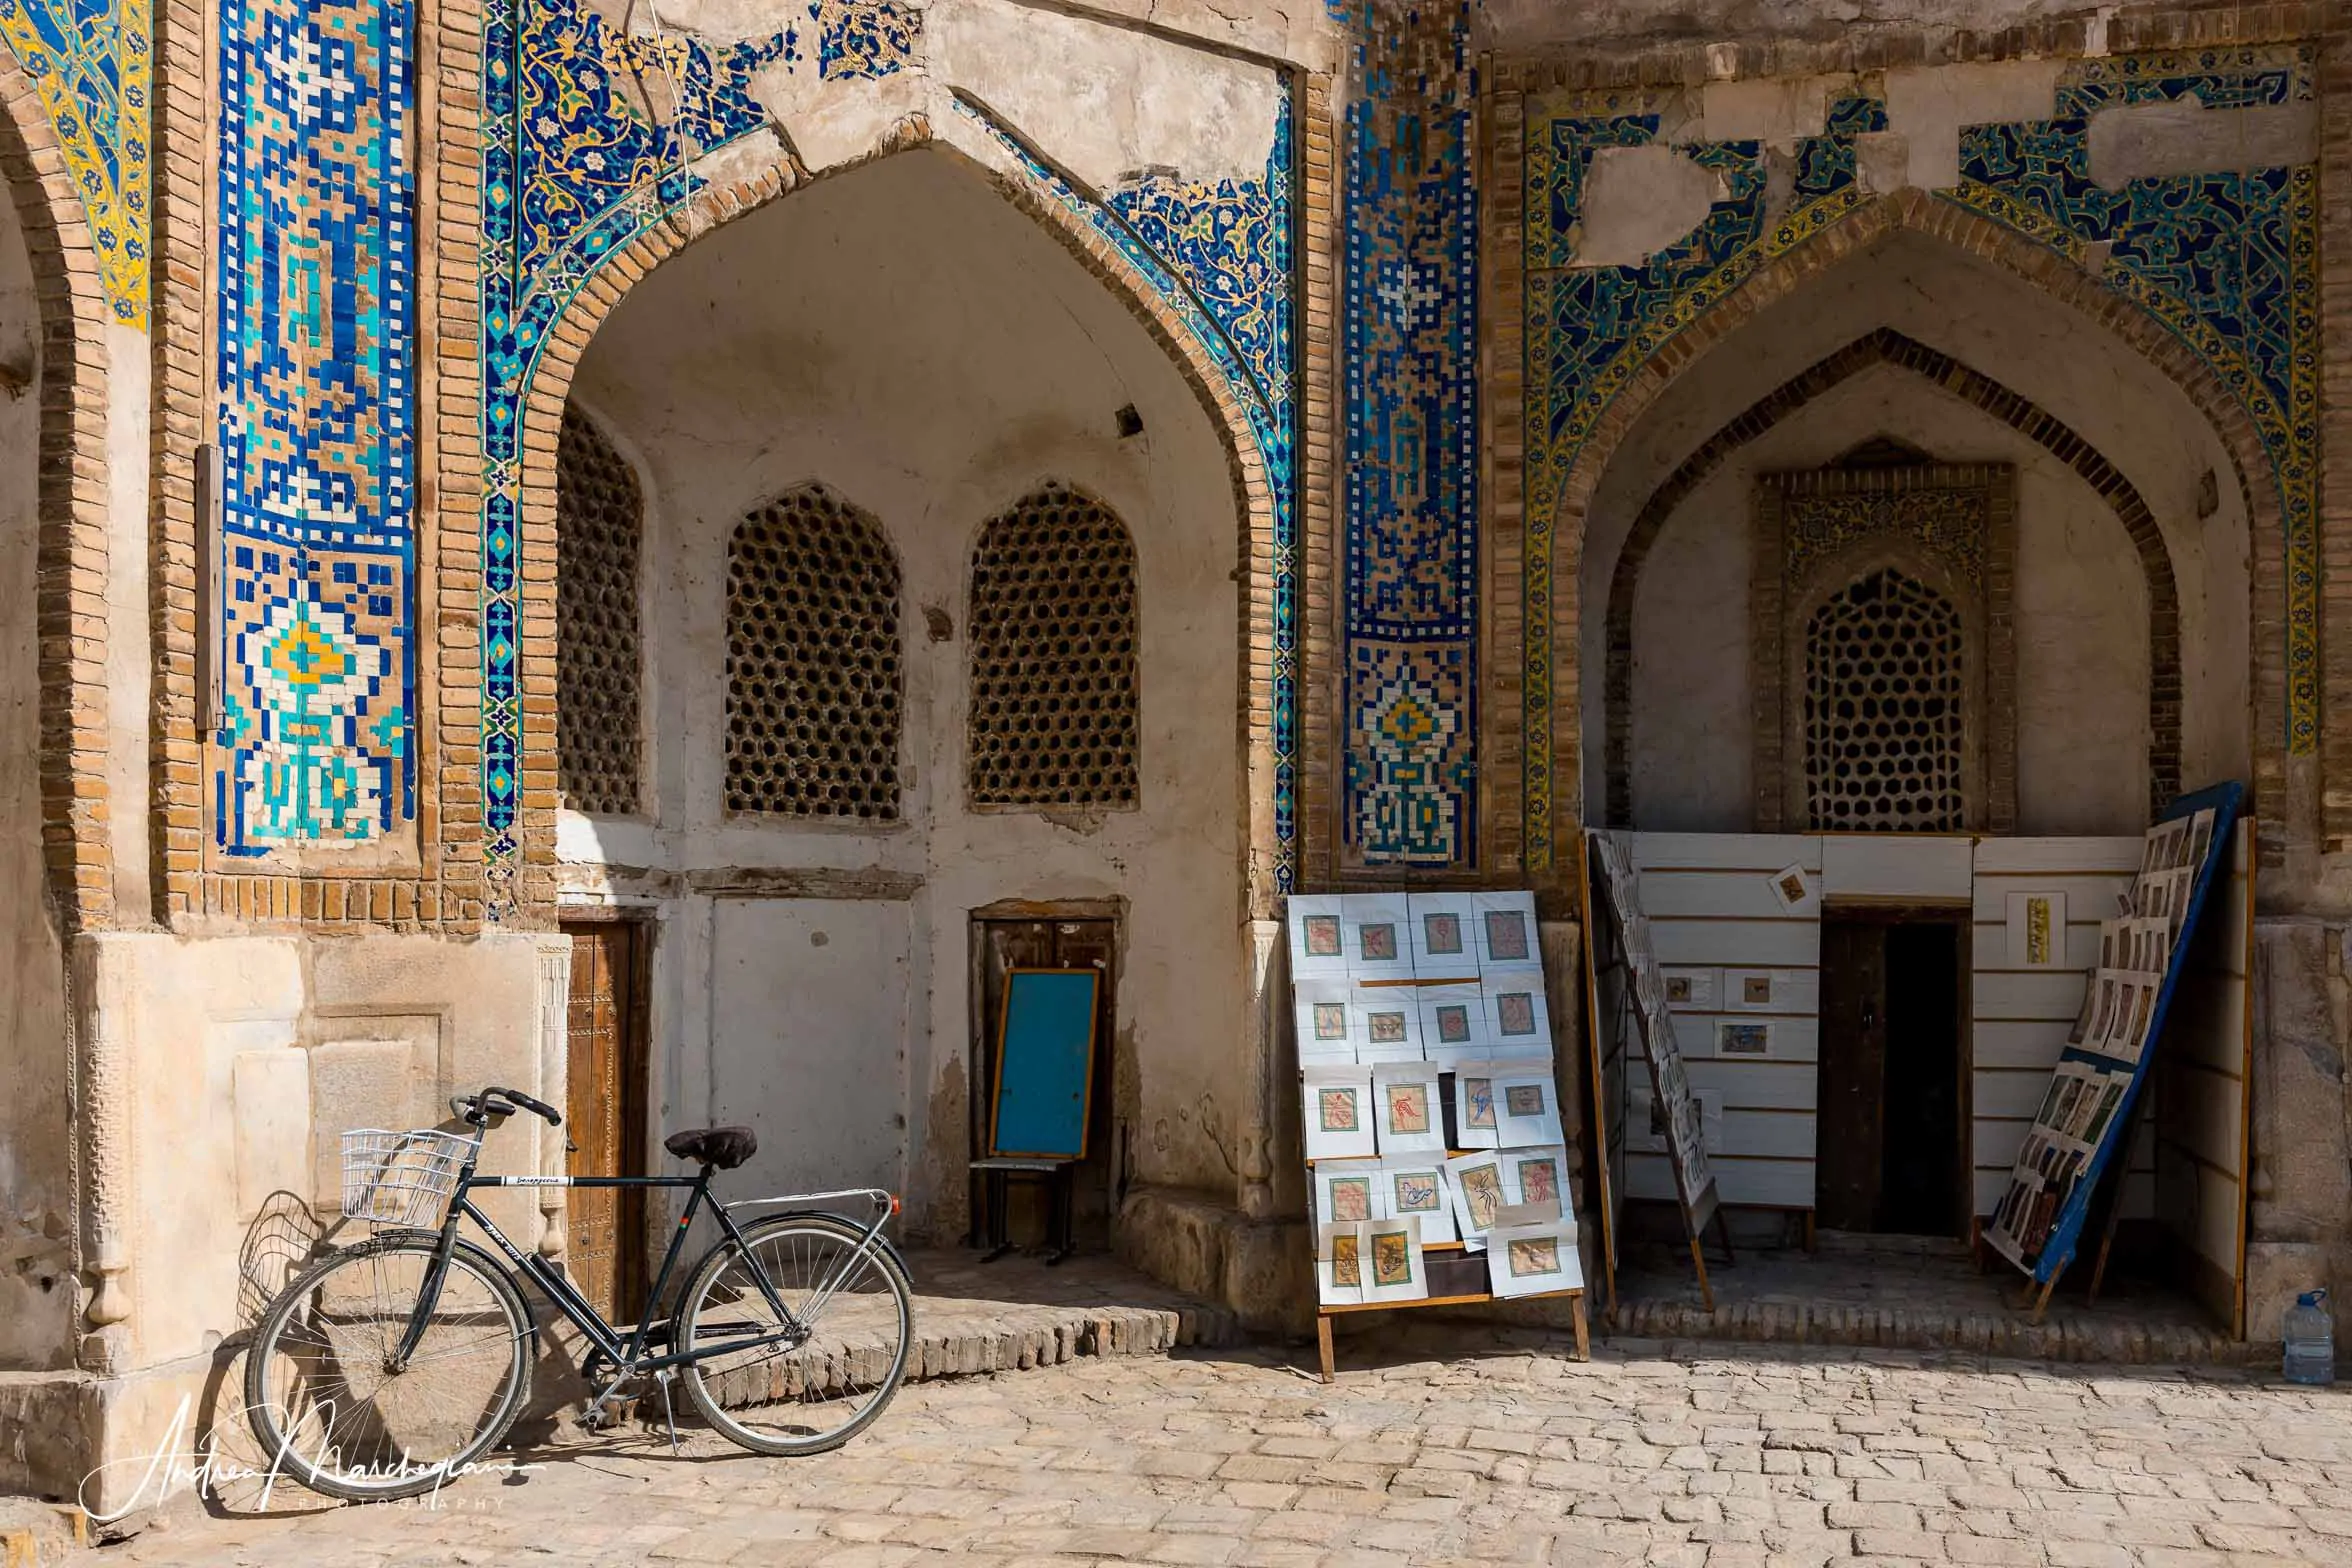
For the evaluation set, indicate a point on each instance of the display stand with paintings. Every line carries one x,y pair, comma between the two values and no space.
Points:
1429,1087
1628,997
2079,1134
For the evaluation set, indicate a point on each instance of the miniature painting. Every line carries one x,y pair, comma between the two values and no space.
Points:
1351,1198
1441,933
1408,1107
1734,1039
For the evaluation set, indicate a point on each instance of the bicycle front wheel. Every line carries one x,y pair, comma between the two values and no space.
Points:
324,1400
854,1303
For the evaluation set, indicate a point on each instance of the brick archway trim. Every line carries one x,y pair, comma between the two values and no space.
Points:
69,606
1888,347
1558,731
571,332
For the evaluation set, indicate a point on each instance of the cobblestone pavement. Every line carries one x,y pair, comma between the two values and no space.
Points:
1718,1454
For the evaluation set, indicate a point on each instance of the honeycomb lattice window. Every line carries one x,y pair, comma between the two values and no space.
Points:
813,663
1053,717
1884,698
600,523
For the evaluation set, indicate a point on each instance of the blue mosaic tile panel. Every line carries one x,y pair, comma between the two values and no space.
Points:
2226,262
1409,330
317,412
89,63
575,169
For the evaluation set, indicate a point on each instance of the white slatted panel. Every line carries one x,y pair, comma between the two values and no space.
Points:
1710,903
2021,1016
2201,1114
1884,866
1772,1184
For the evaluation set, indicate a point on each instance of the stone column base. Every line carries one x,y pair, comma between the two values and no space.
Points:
1262,1269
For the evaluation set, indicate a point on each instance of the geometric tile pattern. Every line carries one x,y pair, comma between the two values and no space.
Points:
2227,262
317,408
1227,274
89,65
1409,623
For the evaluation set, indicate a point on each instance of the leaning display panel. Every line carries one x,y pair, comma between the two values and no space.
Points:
1428,1089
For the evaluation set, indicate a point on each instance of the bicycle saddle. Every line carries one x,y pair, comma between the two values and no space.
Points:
724,1147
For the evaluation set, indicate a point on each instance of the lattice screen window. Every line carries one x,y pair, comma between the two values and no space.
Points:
1884,697
813,663
600,523
1053,717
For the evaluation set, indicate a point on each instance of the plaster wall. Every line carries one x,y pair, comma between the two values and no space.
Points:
36,1200
227,1070
2041,350
2080,615
907,338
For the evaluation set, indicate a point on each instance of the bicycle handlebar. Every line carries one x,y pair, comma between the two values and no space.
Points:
495,1101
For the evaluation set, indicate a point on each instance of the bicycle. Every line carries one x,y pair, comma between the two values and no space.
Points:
387,1368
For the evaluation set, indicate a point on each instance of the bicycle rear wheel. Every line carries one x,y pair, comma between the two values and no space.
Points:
324,1402
856,1306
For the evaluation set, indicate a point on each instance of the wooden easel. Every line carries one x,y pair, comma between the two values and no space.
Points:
1695,1228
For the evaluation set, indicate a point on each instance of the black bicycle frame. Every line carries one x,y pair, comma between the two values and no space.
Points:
625,1357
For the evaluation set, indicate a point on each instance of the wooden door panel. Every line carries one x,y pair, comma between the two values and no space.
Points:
1852,1074
604,1112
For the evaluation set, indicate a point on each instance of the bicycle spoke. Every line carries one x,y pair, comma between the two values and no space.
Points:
846,1310
322,1382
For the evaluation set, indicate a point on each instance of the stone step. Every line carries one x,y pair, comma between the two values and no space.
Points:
2078,1336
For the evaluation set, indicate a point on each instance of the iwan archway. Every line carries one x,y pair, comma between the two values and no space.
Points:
895,425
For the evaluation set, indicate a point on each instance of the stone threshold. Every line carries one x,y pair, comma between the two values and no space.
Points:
1018,1314
2114,1337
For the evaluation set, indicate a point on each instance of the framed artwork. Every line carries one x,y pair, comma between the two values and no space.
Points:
1339,1264
2037,930
1386,1023
1323,1023
1338,1111
1348,1193
1527,1105
1477,1119
1412,1119
1538,1177
1318,936
1444,935
1393,1267
2200,839
1743,1039
1476,1182
1378,941
1453,1022
1529,1260
1517,1017
1044,1064
1795,891
1418,1189
1691,990
1506,930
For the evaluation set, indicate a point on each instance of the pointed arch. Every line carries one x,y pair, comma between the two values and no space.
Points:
1552,760
1885,346
70,607
568,337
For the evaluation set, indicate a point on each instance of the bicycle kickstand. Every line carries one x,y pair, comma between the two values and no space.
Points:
668,1413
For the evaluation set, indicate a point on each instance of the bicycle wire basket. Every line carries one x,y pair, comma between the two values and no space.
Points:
400,1178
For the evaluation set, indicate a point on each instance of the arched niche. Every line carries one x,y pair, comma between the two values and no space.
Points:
1891,341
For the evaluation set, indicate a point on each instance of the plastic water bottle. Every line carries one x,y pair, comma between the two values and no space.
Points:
2311,1340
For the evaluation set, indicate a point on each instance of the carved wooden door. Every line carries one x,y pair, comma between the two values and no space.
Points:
605,1114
